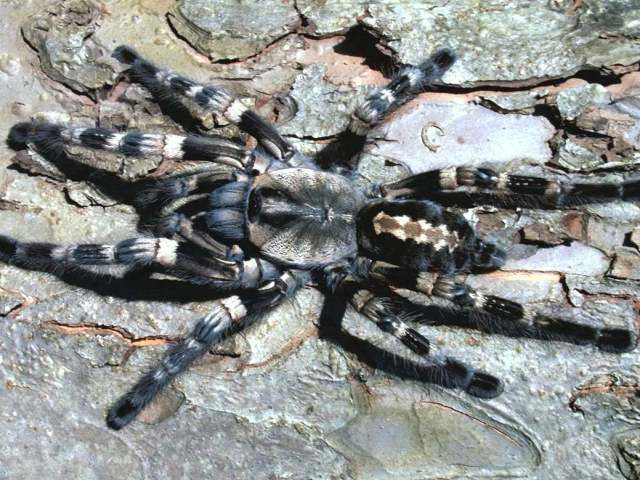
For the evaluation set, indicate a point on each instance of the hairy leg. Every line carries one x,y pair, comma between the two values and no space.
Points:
167,86
227,316
56,140
513,319
468,186
181,259
134,251
160,194
374,308
489,313
405,85
444,371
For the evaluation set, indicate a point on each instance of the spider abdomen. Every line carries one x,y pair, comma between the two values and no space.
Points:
420,235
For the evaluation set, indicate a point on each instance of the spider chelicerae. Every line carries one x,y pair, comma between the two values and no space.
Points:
262,223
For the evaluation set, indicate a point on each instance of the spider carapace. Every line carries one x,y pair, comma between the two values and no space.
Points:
295,217
262,223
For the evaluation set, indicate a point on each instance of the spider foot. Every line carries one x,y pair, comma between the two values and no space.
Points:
45,137
7,245
484,385
125,410
474,382
436,65
616,340
487,257
19,135
125,54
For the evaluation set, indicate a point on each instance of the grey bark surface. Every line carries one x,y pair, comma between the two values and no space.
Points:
541,86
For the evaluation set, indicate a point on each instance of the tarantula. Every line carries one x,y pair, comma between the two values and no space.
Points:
274,221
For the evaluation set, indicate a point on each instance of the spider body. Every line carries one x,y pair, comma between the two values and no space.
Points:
295,217
260,224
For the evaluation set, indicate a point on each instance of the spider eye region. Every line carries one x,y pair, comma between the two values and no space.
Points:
303,217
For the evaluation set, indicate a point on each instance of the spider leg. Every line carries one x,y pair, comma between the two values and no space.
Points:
466,186
374,308
179,226
199,266
180,259
134,252
443,371
408,82
513,319
227,316
163,193
166,86
56,140
493,314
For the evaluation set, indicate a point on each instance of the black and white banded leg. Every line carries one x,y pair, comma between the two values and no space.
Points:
180,259
408,82
463,296
227,316
484,184
178,226
53,139
492,314
513,319
385,311
160,194
197,265
167,86
373,307
134,252
544,327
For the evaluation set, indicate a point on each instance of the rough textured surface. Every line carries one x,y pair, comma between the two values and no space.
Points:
277,402
454,134
516,40
229,29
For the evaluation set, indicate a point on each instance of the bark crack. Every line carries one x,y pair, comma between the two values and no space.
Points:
92,329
